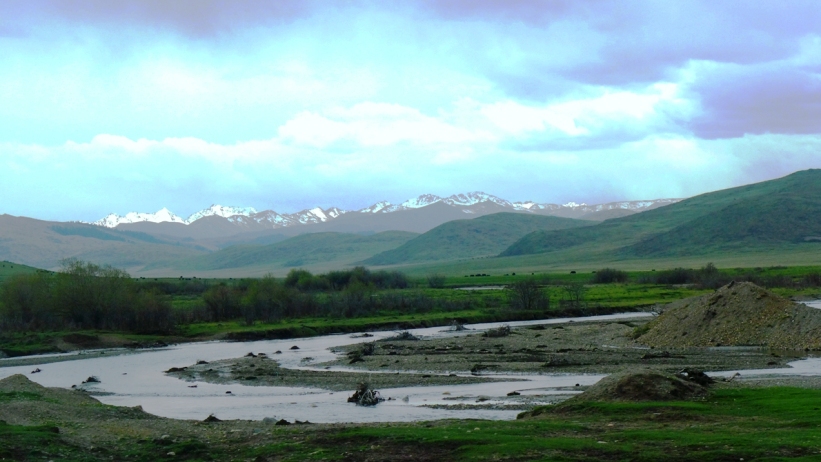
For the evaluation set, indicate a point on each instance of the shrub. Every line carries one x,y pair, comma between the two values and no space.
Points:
609,275
436,281
527,295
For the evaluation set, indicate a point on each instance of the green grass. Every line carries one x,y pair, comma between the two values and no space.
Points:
773,424
753,424
582,259
10,269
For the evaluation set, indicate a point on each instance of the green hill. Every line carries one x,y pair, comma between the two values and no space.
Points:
460,239
10,269
782,212
305,250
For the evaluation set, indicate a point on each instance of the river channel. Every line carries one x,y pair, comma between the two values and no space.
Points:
136,378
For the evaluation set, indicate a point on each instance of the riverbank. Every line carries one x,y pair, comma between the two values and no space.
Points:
37,343
731,424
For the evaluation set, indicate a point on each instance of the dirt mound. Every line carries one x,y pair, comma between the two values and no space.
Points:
738,314
642,385
20,385
19,382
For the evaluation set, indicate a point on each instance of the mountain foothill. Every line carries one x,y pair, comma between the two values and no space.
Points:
772,222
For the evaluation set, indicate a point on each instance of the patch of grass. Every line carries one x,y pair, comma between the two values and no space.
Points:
772,424
10,269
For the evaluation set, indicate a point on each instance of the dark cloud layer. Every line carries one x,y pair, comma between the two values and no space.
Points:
755,101
752,86
193,18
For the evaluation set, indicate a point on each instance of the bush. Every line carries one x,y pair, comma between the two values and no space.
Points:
609,275
527,295
436,281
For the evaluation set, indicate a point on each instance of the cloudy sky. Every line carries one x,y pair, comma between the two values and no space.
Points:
116,106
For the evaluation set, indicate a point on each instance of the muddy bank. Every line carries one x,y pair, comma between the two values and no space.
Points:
264,371
282,333
589,347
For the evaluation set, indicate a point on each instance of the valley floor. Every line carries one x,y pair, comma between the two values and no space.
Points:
740,420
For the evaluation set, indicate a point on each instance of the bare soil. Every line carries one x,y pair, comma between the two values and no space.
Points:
590,347
737,314
263,371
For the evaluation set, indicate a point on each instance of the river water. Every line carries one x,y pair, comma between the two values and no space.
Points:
137,378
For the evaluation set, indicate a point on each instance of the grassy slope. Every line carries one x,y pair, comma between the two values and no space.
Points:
300,251
10,269
460,239
769,216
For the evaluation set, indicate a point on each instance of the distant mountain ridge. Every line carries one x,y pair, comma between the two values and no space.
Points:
273,220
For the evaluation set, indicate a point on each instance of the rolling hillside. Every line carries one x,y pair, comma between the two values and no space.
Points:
306,250
786,211
10,269
460,239
44,243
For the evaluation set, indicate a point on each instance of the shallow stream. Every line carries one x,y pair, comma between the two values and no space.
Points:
137,378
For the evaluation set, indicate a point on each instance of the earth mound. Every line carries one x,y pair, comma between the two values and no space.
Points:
738,314
20,383
642,385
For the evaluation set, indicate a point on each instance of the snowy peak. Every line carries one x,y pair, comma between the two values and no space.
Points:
221,211
473,198
418,202
377,207
574,205
271,219
161,216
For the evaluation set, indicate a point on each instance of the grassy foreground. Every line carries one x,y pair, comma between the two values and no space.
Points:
733,424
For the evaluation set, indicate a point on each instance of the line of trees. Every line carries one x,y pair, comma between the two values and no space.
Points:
83,296
344,294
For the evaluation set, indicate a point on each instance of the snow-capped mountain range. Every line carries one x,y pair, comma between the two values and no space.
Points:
464,201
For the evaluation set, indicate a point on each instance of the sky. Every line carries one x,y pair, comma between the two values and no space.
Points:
117,106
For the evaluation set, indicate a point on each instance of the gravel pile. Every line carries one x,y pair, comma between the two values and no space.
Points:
738,314
641,385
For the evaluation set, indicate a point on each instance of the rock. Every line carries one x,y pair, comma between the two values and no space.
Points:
294,347
269,420
176,369
365,396
514,393
200,361
278,352
251,355
92,379
696,376
282,422
212,418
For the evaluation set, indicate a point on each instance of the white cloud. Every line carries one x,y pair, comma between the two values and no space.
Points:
589,115
375,124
